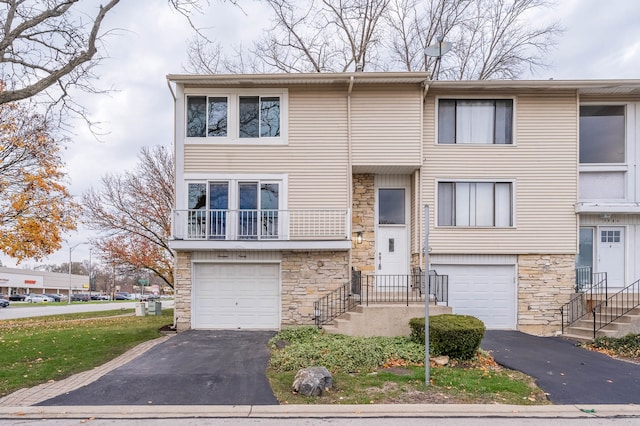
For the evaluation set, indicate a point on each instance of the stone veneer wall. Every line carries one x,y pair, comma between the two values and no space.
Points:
546,282
182,290
306,277
362,220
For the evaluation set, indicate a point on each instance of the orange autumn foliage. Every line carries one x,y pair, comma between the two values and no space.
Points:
36,209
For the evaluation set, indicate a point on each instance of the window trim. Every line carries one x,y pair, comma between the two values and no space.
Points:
512,182
480,98
233,126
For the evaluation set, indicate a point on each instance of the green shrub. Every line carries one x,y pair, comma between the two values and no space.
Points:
457,336
338,353
417,330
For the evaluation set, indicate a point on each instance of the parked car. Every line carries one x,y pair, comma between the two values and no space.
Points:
17,297
4,303
37,298
98,296
55,297
150,296
123,295
80,297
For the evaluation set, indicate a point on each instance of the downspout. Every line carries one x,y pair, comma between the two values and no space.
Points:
350,171
420,207
175,263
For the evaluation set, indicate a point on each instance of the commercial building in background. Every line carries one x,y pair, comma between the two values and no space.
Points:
25,281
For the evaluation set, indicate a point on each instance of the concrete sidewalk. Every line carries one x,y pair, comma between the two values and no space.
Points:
322,411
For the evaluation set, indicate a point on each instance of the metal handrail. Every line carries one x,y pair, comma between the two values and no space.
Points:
616,306
391,289
578,307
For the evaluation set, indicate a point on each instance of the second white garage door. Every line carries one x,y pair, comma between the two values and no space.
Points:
487,292
236,295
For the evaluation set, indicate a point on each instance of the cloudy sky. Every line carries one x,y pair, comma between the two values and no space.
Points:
601,41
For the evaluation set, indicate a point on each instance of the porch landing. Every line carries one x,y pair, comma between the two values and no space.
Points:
381,319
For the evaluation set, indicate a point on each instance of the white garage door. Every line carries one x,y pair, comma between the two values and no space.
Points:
236,295
487,292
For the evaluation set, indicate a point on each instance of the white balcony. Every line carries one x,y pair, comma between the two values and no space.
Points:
260,229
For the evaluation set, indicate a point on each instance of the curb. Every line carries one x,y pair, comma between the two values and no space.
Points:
322,411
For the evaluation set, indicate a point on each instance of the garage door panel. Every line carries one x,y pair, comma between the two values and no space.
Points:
236,296
487,292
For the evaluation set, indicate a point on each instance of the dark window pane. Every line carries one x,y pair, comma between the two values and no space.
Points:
269,194
249,117
248,220
197,196
391,207
504,121
196,116
217,117
270,117
445,204
218,203
602,134
446,121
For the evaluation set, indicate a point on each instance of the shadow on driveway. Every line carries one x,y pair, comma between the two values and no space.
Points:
567,373
195,367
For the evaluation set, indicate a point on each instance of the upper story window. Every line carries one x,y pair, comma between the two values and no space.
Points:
475,121
242,115
602,134
475,204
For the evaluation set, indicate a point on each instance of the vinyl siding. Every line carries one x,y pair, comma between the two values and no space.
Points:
315,158
542,164
386,125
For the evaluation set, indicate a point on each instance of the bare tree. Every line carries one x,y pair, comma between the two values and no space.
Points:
491,38
132,212
47,47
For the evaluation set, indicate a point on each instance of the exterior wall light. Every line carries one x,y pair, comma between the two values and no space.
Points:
359,238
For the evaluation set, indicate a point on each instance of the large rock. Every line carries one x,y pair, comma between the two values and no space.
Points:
312,381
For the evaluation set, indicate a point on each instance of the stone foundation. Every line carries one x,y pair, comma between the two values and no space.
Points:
545,283
306,277
182,289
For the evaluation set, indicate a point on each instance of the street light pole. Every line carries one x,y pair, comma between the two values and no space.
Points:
70,250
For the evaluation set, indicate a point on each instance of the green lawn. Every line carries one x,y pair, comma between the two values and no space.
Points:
36,350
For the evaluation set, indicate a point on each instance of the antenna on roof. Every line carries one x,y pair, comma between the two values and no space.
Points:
437,50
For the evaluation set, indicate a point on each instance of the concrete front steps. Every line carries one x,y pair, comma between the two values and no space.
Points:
582,330
381,319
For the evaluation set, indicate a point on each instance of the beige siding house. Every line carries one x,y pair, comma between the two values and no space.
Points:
286,184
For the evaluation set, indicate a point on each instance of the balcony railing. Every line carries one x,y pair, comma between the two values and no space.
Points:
236,225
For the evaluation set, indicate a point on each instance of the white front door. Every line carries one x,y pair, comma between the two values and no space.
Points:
392,250
392,260
610,254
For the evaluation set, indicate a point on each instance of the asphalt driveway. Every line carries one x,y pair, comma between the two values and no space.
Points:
569,374
196,367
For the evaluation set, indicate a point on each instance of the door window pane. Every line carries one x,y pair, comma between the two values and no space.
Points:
197,216
248,210
585,248
602,134
269,205
218,205
217,117
391,207
249,117
196,116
